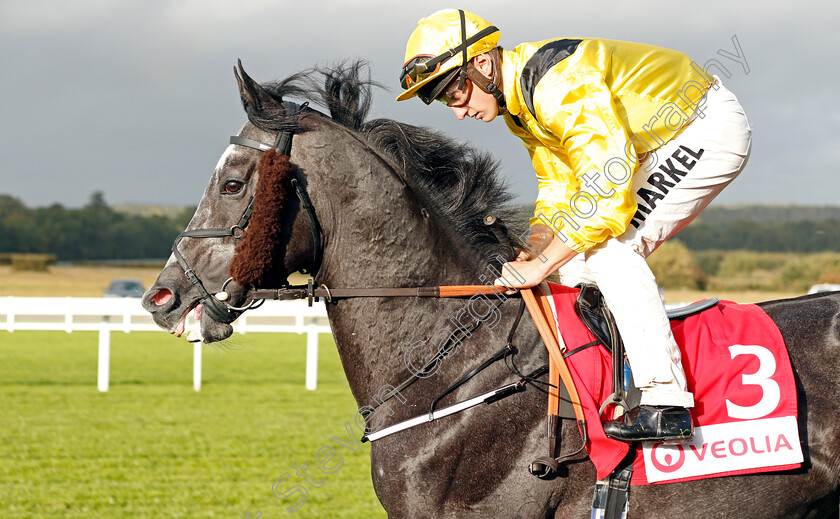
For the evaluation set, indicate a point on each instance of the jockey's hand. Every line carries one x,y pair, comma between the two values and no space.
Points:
528,271
522,273
524,255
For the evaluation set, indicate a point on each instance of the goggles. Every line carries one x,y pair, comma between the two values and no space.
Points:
420,68
435,88
456,97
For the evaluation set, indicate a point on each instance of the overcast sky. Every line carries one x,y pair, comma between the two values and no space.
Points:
136,98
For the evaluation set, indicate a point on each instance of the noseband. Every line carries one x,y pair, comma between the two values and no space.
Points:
216,305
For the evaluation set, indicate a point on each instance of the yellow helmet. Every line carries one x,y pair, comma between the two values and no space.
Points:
441,46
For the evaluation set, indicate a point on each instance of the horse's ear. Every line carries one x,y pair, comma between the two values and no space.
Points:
254,97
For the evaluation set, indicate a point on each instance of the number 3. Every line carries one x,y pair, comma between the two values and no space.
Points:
771,395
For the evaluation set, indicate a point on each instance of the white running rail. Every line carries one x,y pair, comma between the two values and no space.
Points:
106,315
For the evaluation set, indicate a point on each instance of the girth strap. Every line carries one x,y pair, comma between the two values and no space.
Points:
618,488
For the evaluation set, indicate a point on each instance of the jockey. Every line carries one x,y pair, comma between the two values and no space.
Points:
629,143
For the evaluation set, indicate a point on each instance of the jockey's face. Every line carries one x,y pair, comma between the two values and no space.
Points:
472,101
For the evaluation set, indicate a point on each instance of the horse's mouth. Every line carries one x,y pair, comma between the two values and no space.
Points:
171,309
181,326
205,328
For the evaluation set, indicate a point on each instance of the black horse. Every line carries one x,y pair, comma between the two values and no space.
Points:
401,206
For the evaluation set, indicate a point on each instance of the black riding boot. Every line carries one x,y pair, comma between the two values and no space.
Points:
666,424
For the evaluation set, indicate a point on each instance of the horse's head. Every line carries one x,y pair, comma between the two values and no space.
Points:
203,274
394,201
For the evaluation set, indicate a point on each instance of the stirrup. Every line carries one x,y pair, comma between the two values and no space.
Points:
616,399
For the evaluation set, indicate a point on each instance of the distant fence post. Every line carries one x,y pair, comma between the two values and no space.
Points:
197,346
68,316
103,378
311,357
10,314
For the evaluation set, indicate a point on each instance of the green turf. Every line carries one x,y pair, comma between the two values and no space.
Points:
153,447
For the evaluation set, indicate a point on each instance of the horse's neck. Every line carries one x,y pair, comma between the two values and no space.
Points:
378,234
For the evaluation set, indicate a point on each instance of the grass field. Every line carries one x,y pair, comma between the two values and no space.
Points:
64,281
153,447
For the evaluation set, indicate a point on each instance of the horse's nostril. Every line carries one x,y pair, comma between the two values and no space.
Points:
161,297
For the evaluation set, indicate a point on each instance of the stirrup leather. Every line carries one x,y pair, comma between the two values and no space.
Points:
540,310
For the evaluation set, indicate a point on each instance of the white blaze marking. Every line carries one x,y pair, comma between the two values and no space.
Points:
230,150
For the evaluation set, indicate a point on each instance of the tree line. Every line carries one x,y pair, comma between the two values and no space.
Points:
761,228
99,232
93,232
790,236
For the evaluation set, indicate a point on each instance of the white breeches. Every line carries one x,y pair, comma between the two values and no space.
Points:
672,187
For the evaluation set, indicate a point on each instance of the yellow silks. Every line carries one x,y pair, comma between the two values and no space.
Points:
597,113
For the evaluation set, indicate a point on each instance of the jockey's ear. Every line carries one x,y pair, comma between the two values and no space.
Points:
484,64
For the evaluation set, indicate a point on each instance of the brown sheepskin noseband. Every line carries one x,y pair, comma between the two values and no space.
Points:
257,252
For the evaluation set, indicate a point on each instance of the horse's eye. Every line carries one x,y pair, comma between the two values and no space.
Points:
233,186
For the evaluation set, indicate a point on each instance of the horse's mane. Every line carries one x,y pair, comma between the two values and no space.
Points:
461,183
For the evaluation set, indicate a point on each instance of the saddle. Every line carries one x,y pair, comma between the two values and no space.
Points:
592,310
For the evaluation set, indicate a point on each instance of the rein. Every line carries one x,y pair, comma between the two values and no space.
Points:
312,293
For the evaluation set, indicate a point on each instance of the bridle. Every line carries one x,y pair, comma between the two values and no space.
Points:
219,309
216,305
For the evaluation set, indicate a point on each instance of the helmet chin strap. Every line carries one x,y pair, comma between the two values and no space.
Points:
489,85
